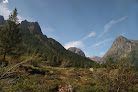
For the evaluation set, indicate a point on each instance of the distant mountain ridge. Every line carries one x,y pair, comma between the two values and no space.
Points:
95,58
77,51
120,47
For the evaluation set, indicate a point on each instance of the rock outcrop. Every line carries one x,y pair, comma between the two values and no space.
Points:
33,27
120,47
76,50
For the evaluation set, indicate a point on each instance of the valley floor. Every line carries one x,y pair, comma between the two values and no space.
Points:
37,77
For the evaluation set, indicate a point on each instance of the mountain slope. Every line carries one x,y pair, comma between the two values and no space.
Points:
120,47
35,43
132,56
33,27
95,58
77,51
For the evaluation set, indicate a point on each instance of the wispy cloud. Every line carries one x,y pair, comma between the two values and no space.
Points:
100,43
110,24
92,34
5,12
5,1
78,44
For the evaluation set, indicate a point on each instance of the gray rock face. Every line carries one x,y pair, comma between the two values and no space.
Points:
77,51
95,58
119,48
33,27
2,21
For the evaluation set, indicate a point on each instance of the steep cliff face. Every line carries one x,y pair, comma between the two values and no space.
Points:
2,21
33,27
77,51
120,47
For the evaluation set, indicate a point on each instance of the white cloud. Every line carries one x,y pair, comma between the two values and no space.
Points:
78,44
110,24
97,44
5,1
5,12
92,34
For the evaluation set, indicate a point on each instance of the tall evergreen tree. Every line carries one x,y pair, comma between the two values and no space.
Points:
10,35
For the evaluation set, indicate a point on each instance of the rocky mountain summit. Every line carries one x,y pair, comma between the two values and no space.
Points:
120,47
33,27
95,58
77,51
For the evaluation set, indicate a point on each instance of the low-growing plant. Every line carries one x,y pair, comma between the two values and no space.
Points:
119,79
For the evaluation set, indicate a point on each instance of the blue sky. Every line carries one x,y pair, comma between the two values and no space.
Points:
91,25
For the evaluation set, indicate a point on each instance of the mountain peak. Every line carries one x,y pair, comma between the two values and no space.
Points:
119,47
32,26
120,37
120,42
76,50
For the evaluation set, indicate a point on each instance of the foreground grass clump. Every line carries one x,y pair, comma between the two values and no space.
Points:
54,79
118,77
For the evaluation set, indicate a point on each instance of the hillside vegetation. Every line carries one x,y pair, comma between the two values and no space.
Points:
34,43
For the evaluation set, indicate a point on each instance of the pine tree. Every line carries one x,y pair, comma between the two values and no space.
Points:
10,37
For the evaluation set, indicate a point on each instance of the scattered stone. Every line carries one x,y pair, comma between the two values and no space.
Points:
72,69
77,51
67,88
91,69
51,72
70,88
